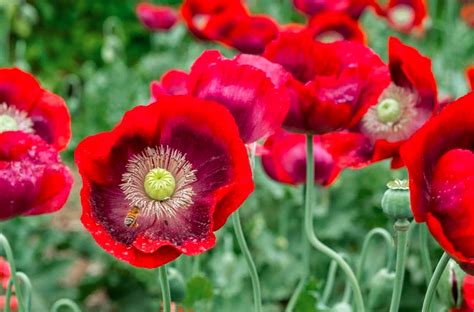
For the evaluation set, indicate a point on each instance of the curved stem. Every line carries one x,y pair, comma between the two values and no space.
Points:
329,282
443,262
8,295
65,303
313,239
425,253
401,227
165,288
248,258
11,260
27,287
305,251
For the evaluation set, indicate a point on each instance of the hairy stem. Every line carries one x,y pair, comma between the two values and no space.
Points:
165,288
401,227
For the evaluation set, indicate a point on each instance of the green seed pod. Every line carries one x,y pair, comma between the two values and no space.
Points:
381,287
396,200
177,285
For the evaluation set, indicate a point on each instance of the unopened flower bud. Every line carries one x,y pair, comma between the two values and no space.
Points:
177,285
381,287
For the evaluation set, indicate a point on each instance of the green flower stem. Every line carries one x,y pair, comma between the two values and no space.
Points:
305,251
27,289
257,296
11,260
165,288
65,303
313,239
329,283
383,233
401,227
443,262
425,253
8,295
5,21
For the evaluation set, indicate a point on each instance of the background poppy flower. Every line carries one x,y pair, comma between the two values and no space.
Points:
156,17
333,26
353,8
33,180
467,14
251,87
405,16
404,106
332,85
173,82
440,159
284,159
212,19
252,34
470,76
190,147
26,107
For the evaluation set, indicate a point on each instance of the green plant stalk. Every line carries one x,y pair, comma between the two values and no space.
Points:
313,239
28,289
401,227
14,277
65,303
383,233
305,251
165,288
4,37
425,253
443,262
329,283
8,295
257,296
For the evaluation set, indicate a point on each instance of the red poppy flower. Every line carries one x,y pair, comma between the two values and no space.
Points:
285,159
467,14
405,15
333,84
212,19
404,106
331,26
252,34
173,82
354,8
468,292
470,76
33,180
163,180
156,17
251,87
440,159
25,106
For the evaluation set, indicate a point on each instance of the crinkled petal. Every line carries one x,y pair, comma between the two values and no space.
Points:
156,17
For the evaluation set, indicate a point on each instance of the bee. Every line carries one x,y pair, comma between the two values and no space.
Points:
131,217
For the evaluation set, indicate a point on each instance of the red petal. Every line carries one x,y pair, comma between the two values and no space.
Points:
156,17
417,9
252,34
18,89
350,150
33,179
452,128
248,91
173,82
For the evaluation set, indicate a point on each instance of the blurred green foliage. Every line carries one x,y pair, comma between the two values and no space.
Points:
101,60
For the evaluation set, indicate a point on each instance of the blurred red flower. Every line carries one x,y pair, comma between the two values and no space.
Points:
353,8
212,19
332,85
470,76
405,15
32,178
440,162
163,180
173,82
284,159
467,13
404,106
332,26
26,107
156,17
13,303
252,34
